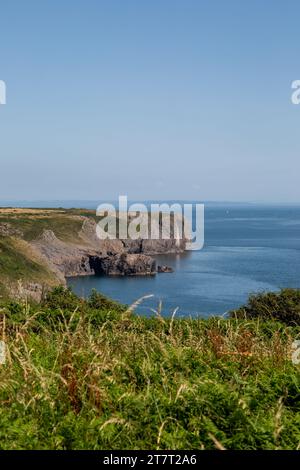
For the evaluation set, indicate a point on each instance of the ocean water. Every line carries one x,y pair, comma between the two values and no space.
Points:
248,248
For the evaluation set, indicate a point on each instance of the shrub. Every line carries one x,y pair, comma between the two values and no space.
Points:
61,298
100,301
283,306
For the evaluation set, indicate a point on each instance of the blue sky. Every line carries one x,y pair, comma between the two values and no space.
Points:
154,99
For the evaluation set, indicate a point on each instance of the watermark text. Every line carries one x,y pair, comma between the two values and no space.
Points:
296,93
2,92
181,223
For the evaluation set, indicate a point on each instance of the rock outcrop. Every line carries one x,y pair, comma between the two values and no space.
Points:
164,269
79,260
67,245
154,247
107,257
7,230
124,265
67,258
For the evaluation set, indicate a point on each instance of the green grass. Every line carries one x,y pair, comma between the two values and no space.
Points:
91,375
14,262
65,227
18,263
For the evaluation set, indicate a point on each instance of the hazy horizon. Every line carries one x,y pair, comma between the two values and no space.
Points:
56,202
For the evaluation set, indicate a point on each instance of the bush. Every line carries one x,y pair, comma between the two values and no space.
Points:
100,301
283,306
61,298
61,305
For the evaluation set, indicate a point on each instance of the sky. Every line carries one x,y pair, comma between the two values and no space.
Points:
160,99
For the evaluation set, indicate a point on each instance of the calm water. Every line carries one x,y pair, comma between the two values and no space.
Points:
248,248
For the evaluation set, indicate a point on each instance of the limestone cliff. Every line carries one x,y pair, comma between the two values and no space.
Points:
63,243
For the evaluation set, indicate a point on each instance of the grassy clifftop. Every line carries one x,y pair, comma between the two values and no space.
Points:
20,265
30,223
92,375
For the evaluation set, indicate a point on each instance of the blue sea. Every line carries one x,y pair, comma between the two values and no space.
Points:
248,248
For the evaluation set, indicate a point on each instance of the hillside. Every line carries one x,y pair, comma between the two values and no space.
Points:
23,269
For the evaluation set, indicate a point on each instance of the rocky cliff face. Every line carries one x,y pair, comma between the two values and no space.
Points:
108,257
124,264
154,247
69,246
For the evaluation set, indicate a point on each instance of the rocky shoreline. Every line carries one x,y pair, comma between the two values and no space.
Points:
86,255
103,257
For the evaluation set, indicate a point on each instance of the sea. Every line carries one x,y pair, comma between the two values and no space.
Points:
248,248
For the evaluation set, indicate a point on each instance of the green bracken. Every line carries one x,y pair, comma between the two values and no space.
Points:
90,374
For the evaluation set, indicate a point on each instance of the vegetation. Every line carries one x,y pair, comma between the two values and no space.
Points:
92,375
17,261
65,223
283,306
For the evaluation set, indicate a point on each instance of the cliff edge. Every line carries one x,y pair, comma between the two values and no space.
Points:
40,248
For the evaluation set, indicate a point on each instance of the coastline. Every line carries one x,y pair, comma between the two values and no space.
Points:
63,243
